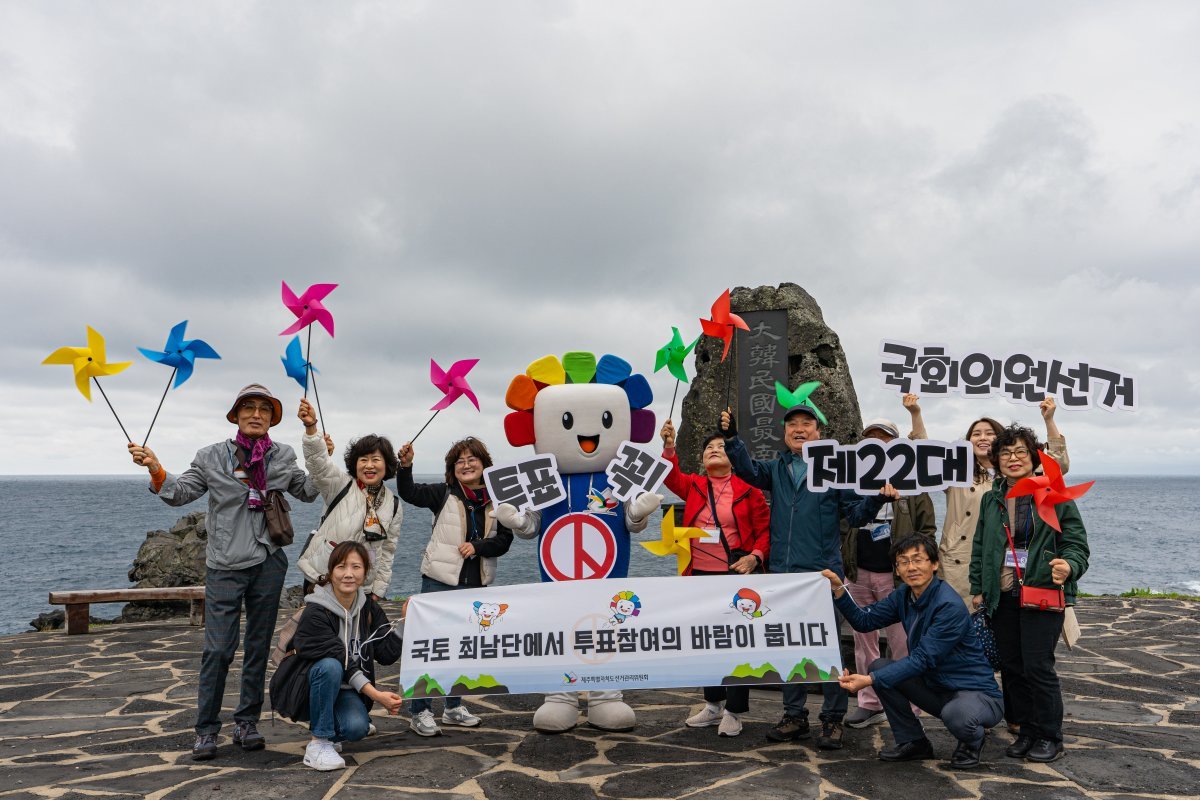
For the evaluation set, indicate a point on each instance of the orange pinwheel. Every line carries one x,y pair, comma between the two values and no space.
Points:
723,323
1048,491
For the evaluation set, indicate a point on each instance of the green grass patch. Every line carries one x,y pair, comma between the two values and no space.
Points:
1146,593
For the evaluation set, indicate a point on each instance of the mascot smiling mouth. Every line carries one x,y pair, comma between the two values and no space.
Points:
588,444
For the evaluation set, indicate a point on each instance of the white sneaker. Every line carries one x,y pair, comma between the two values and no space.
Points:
423,724
710,715
731,725
321,756
460,716
371,729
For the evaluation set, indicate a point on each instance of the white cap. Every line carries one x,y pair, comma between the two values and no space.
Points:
885,425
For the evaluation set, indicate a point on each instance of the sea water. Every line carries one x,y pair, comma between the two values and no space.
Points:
83,532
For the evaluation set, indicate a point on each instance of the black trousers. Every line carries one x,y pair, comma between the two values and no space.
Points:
1026,639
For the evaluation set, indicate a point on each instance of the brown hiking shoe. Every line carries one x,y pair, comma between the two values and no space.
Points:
789,729
831,736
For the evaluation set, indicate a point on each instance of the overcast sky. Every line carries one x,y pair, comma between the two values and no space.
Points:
507,180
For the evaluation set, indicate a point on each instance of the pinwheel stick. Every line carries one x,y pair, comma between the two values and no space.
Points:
423,427
308,366
732,367
312,376
673,395
160,404
113,410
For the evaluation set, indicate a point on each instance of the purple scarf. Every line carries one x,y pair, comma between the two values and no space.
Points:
256,464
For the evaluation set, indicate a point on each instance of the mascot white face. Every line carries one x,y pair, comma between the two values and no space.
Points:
581,424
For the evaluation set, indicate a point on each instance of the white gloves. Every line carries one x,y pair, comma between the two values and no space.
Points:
522,524
641,507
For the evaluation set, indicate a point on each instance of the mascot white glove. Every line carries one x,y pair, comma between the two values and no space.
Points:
522,524
639,509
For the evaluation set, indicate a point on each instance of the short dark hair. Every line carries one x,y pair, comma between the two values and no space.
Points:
469,445
1016,434
364,446
921,541
342,552
710,438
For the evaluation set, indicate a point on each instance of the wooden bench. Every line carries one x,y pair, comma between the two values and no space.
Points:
79,602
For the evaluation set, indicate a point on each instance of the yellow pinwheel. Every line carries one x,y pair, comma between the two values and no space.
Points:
675,541
89,362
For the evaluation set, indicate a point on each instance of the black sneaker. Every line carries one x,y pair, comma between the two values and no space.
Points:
1044,751
246,735
1020,748
789,729
205,748
831,736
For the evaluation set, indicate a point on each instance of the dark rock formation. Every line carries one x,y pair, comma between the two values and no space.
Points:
814,353
168,558
56,620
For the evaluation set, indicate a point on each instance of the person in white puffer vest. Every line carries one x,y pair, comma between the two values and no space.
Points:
357,509
462,550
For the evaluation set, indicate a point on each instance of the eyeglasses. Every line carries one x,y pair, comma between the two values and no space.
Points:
466,462
258,408
1018,454
911,562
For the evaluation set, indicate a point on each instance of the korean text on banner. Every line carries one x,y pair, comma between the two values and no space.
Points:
627,633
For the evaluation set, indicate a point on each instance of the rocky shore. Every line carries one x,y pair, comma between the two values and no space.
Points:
109,714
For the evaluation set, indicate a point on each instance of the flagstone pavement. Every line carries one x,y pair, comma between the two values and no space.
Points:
109,715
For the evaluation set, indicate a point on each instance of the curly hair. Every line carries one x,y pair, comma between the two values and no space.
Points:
469,446
1012,435
364,446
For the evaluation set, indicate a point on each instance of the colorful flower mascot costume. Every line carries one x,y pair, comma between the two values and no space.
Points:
580,410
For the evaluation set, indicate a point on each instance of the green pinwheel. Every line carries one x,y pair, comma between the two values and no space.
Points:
800,397
671,356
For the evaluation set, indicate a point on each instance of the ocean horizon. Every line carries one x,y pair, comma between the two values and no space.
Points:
83,531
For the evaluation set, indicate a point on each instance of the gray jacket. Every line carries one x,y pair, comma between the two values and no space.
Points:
237,536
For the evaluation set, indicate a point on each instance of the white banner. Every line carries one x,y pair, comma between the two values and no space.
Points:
621,633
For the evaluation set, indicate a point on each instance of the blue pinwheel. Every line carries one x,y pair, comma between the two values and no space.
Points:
294,364
180,355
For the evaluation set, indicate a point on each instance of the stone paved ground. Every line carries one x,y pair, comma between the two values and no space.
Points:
110,714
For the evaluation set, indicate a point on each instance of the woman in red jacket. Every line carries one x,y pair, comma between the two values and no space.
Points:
738,519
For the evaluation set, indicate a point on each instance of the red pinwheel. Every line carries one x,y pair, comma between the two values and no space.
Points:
308,308
723,323
1048,491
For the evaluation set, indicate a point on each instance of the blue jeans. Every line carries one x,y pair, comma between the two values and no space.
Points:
837,700
428,585
225,592
965,714
335,713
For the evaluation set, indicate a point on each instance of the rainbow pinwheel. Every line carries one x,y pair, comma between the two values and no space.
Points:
675,541
89,362
295,365
180,354
308,308
789,399
1048,491
453,382
723,323
672,354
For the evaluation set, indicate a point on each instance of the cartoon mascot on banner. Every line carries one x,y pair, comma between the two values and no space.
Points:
581,410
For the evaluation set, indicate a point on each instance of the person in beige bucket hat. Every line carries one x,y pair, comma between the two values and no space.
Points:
243,565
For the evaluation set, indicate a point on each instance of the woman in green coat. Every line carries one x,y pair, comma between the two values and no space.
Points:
1026,637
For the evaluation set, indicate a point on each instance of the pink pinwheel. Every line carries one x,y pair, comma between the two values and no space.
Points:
1048,490
308,308
723,323
452,382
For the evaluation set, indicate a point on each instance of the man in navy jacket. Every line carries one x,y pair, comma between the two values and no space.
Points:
805,537
945,673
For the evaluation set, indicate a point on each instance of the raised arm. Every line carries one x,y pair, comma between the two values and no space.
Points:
1056,443
913,406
